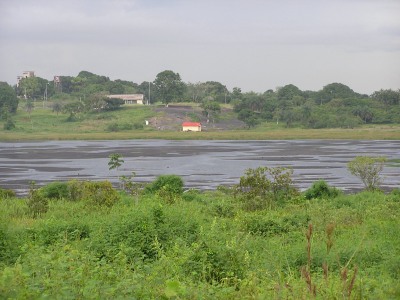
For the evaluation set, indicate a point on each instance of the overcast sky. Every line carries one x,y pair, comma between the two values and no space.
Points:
252,44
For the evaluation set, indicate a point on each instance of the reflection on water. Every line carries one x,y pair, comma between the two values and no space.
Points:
202,164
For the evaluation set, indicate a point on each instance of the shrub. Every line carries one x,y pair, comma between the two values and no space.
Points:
100,193
137,126
55,190
5,194
321,189
167,187
37,203
368,169
9,124
264,187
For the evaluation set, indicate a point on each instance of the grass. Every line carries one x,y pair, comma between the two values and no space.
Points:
42,124
204,247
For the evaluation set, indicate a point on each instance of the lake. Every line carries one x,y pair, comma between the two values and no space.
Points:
202,164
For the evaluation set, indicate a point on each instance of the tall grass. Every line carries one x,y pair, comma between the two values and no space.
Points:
202,246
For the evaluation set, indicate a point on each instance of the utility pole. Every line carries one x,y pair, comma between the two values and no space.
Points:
148,102
45,94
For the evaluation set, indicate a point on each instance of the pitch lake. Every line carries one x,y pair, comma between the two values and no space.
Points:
202,164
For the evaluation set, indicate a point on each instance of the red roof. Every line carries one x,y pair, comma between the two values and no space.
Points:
191,124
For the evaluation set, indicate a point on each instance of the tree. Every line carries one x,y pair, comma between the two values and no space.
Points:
288,92
195,91
264,187
8,98
368,169
96,102
211,109
113,103
217,91
169,86
249,117
364,112
57,107
387,97
29,107
334,90
116,160
30,87
73,108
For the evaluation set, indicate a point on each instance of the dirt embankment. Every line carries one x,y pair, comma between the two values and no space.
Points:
171,118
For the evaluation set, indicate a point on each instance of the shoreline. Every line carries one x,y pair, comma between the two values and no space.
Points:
364,133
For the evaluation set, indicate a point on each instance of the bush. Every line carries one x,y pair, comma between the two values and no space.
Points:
9,124
55,190
320,189
368,169
168,187
264,187
99,193
137,126
5,194
37,203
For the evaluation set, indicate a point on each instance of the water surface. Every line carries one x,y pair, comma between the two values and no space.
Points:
202,164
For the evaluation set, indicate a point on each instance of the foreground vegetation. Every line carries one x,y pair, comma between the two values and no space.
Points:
261,239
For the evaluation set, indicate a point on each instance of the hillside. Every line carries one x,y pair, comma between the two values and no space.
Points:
171,117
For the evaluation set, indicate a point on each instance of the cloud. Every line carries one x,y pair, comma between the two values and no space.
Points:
242,42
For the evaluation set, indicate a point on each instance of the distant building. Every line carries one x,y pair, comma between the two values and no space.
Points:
191,126
25,74
129,98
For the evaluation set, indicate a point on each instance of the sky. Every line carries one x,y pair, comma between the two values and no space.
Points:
255,45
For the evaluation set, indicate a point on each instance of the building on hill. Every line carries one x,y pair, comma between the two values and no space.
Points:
129,98
25,74
191,126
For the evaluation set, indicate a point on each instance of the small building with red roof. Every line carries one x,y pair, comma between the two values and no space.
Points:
191,126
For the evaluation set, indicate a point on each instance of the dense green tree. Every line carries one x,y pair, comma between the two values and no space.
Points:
113,103
66,84
115,88
8,98
217,91
249,117
364,112
288,92
387,97
211,109
30,87
169,87
334,90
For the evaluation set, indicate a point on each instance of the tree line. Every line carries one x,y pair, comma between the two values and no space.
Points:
335,105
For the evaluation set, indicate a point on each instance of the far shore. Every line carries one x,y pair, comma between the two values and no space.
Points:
384,132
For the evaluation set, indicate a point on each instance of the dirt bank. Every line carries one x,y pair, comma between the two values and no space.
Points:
171,118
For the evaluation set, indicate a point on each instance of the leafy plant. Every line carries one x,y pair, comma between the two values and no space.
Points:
99,193
320,189
5,193
55,190
9,124
116,160
264,187
368,169
37,203
166,185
